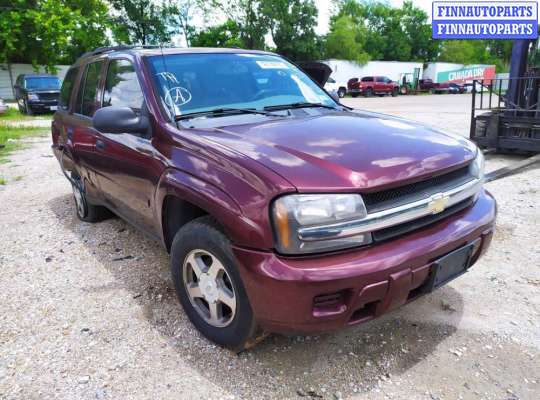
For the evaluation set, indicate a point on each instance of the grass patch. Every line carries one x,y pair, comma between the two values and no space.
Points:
2,181
10,136
13,114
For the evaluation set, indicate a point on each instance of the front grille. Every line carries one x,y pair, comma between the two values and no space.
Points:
48,96
406,227
395,197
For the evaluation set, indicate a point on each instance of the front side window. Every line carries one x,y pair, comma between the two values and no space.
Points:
87,99
190,83
122,87
42,83
67,88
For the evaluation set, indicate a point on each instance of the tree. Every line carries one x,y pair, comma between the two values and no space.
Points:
400,34
253,26
227,34
495,52
184,11
90,29
345,41
143,22
49,32
292,27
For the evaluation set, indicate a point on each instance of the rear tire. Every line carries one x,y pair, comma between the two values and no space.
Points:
85,210
354,94
209,285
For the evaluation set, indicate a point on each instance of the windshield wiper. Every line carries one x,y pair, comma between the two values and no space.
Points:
225,111
299,105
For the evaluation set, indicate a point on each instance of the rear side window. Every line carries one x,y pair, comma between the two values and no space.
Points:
380,79
367,79
122,88
67,88
87,99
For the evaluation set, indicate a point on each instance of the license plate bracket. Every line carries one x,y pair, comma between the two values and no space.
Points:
449,267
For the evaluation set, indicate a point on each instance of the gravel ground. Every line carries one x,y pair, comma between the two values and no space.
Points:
88,310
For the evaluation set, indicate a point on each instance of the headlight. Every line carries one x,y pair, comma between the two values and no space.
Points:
316,212
477,166
33,96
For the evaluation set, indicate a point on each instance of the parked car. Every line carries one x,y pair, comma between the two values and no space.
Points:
456,88
370,85
438,88
3,106
282,210
332,86
37,93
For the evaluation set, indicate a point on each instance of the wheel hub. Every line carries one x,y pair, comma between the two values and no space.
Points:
209,288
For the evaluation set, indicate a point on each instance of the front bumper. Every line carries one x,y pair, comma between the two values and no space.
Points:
370,281
43,105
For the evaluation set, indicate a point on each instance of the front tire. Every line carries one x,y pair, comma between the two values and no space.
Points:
369,92
27,109
209,285
395,92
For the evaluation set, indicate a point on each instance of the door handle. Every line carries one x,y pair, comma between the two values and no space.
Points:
69,132
100,144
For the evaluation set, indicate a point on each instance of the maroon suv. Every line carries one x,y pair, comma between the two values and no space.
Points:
370,85
282,210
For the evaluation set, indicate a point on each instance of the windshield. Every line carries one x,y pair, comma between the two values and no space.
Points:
42,83
192,83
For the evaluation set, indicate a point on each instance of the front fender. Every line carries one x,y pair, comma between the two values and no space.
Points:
241,230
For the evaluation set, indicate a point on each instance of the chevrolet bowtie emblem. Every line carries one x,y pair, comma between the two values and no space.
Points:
438,203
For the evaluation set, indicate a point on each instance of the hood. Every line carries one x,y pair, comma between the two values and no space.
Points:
318,71
333,151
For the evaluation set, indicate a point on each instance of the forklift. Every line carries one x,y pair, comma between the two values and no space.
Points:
505,112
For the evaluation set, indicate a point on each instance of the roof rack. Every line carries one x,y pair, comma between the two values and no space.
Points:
101,50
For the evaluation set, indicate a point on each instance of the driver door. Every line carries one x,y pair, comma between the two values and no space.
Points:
130,172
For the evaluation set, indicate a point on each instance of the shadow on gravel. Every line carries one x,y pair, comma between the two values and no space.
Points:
348,361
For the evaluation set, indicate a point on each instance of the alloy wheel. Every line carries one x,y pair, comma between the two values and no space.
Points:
209,288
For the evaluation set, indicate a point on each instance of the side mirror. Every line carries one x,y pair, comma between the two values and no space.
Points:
120,120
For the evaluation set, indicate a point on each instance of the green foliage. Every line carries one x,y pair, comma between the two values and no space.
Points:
291,24
387,33
49,32
183,13
345,41
245,13
143,22
495,52
224,35
9,136
13,114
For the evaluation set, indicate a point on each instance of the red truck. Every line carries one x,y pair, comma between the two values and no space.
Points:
370,85
282,209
